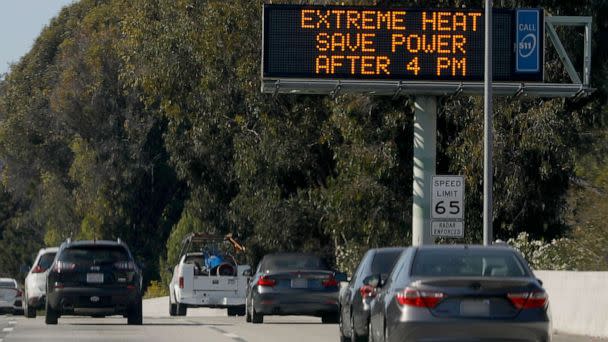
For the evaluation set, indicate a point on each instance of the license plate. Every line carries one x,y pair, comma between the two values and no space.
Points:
478,308
95,278
299,283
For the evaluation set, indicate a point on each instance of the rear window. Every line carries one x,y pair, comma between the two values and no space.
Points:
94,254
46,260
467,263
7,284
384,261
293,262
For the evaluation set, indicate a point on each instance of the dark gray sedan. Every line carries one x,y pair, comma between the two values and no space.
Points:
460,293
293,284
356,297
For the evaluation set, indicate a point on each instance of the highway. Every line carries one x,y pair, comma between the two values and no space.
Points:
199,325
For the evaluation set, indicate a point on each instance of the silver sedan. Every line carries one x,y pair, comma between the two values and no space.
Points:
460,293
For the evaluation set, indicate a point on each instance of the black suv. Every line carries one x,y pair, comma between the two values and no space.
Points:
94,278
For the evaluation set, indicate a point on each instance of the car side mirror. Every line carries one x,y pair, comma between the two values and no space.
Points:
374,280
341,277
540,282
170,270
247,273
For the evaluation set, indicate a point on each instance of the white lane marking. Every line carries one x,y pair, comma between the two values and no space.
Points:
231,335
7,329
12,322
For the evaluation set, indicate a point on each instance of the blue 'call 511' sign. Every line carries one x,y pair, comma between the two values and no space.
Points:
528,40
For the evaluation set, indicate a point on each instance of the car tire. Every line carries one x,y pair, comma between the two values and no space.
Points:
256,318
136,314
353,333
51,316
236,311
172,308
333,318
343,338
182,309
370,336
248,312
30,312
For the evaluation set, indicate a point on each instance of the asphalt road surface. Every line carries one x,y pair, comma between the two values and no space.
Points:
199,325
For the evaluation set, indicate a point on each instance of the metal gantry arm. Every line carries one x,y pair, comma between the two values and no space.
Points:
550,23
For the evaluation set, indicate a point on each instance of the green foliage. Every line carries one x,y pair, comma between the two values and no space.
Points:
559,254
156,289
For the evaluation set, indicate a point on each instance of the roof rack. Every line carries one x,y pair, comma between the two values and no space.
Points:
199,238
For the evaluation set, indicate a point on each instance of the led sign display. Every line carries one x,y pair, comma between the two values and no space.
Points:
388,44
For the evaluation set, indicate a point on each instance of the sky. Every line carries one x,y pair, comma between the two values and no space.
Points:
21,21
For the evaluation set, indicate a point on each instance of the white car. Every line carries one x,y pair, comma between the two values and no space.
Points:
35,281
211,278
10,296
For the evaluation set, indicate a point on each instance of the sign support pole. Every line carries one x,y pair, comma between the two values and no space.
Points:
425,141
488,127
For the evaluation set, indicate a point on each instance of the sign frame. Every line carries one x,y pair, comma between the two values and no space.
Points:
333,87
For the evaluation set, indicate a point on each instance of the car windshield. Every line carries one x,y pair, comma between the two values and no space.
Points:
467,263
94,254
293,262
384,261
46,260
7,284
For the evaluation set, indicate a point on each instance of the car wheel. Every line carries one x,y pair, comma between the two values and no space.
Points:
343,338
332,318
172,308
248,312
30,312
136,314
182,309
51,316
256,318
354,337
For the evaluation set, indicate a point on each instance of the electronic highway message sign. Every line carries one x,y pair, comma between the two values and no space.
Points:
372,43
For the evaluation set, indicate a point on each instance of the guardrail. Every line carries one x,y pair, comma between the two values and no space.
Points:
578,301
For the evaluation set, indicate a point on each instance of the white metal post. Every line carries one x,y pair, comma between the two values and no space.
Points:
425,141
488,128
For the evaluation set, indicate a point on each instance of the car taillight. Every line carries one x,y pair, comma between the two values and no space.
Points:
367,291
124,265
528,300
63,266
266,281
330,282
420,298
19,293
38,269
181,282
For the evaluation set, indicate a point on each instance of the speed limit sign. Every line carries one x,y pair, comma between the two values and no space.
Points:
447,200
